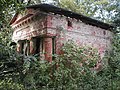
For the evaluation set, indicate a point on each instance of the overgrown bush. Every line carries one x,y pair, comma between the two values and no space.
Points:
69,71
10,85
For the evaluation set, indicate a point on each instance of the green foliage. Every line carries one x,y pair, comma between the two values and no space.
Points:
70,71
10,85
64,72
8,9
102,10
117,17
59,74
67,73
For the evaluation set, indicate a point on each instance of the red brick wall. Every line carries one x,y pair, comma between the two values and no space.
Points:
81,33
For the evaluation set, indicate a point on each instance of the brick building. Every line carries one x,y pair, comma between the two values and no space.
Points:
44,28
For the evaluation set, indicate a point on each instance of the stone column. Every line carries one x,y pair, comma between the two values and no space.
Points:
42,56
28,48
48,49
19,47
32,46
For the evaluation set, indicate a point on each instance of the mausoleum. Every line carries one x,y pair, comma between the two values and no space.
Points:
45,28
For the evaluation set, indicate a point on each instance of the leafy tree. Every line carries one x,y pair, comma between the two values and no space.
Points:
98,9
117,16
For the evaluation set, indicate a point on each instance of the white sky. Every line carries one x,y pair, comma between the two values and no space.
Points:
49,1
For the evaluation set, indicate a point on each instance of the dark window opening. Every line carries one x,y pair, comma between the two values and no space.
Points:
69,23
104,32
53,48
37,46
41,46
22,47
28,47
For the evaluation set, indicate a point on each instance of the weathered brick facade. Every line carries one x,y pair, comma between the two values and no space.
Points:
46,31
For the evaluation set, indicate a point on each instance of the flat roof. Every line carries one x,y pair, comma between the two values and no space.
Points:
56,10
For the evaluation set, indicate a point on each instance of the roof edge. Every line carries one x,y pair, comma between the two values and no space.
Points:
61,11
